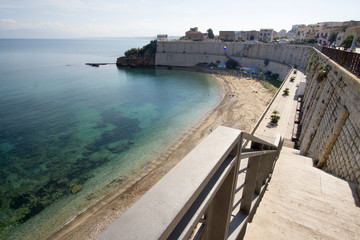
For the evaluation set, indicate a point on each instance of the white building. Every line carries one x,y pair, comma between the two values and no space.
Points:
162,37
301,32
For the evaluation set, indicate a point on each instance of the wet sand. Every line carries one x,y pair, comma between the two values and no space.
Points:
242,104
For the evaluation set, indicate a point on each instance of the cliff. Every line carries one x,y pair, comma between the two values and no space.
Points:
143,57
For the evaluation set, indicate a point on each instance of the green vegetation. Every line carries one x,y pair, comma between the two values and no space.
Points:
316,161
210,33
231,63
332,38
348,41
286,91
305,41
323,73
271,85
269,81
274,76
266,62
139,57
295,71
275,117
292,79
148,50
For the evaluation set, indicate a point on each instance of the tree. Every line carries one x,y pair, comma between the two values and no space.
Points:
312,40
149,49
332,38
348,40
286,91
131,52
275,117
210,33
231,63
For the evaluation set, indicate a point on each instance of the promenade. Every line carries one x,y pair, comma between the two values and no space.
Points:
302,202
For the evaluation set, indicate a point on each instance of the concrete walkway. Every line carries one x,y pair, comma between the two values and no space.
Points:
302,202
286,106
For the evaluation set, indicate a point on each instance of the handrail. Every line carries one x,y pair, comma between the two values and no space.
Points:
199,196
348,60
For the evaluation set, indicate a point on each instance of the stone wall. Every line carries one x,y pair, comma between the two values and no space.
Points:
331,117
187,54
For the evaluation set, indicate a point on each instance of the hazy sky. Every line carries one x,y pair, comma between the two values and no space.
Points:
119,18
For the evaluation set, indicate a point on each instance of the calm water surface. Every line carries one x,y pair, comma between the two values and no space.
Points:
70,133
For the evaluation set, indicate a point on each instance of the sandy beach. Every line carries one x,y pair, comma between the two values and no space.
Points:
242,104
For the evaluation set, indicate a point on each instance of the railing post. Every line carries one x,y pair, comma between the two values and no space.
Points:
262,173
273,157
218,214
250,183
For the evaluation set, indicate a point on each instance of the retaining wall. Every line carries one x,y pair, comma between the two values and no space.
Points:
186,54
331,117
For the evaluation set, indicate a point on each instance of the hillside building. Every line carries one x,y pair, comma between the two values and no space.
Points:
194,34
251,36
227,35
266,35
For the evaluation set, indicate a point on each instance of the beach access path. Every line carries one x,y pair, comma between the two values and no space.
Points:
302,201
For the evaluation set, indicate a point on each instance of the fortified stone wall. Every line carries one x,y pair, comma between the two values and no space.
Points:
183,53
331,117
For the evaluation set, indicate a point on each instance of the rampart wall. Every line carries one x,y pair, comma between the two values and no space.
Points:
187,54
331,117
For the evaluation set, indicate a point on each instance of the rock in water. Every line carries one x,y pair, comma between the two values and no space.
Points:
76,188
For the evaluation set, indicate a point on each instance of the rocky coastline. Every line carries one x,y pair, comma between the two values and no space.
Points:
139,57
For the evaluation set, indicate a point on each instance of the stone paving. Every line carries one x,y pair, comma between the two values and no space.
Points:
286,106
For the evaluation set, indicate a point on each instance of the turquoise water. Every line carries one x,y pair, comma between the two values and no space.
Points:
71,133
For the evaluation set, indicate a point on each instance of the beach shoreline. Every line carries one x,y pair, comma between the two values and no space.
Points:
241,104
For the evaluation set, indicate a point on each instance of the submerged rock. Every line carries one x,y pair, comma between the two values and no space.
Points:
19,216
19,201
34,209
118,149
90,147
76,188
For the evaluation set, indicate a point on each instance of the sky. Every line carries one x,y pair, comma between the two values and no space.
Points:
146,18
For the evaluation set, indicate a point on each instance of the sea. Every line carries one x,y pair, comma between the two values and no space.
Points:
71,133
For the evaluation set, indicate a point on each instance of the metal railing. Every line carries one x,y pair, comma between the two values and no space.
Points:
211,194
348,60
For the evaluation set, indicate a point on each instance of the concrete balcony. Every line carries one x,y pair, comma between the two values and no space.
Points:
210,194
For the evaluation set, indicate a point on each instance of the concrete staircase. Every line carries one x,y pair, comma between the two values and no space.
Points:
303,202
